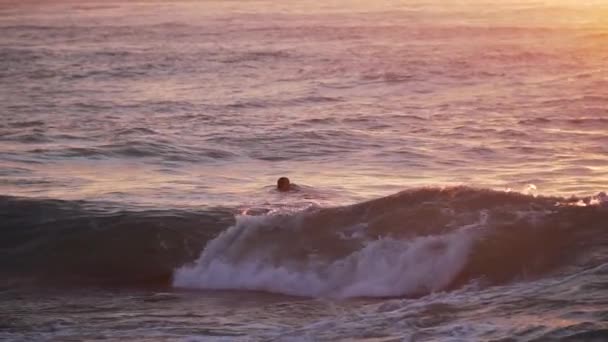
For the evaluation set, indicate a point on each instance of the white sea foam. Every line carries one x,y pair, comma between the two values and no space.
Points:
383,267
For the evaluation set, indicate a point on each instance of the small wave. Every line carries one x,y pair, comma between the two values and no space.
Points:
481,150
534,121
517,57
588,121
579,121
387,77
94,7
408,117
586,100
254,56
113,53
27,138
134,149
326,121
135,131
30,27
512,133
14,171
26,124
268,103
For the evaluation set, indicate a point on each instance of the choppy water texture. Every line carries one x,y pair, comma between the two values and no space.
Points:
139,144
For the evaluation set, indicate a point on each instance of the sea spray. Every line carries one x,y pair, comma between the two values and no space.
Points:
382,268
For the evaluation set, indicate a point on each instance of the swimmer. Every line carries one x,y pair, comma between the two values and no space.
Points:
283,184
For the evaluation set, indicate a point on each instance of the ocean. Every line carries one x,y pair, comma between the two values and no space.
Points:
451,162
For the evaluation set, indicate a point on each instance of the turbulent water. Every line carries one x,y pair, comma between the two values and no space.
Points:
451,161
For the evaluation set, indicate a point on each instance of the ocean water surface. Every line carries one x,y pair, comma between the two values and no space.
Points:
451,158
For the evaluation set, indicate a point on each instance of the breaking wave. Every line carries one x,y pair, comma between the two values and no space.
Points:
409,244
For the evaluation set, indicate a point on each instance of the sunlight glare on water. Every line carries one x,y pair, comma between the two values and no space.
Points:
367,98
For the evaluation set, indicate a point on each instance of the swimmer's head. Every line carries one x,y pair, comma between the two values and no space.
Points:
283,184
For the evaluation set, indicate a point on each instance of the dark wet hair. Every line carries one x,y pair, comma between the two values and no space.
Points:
283,184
